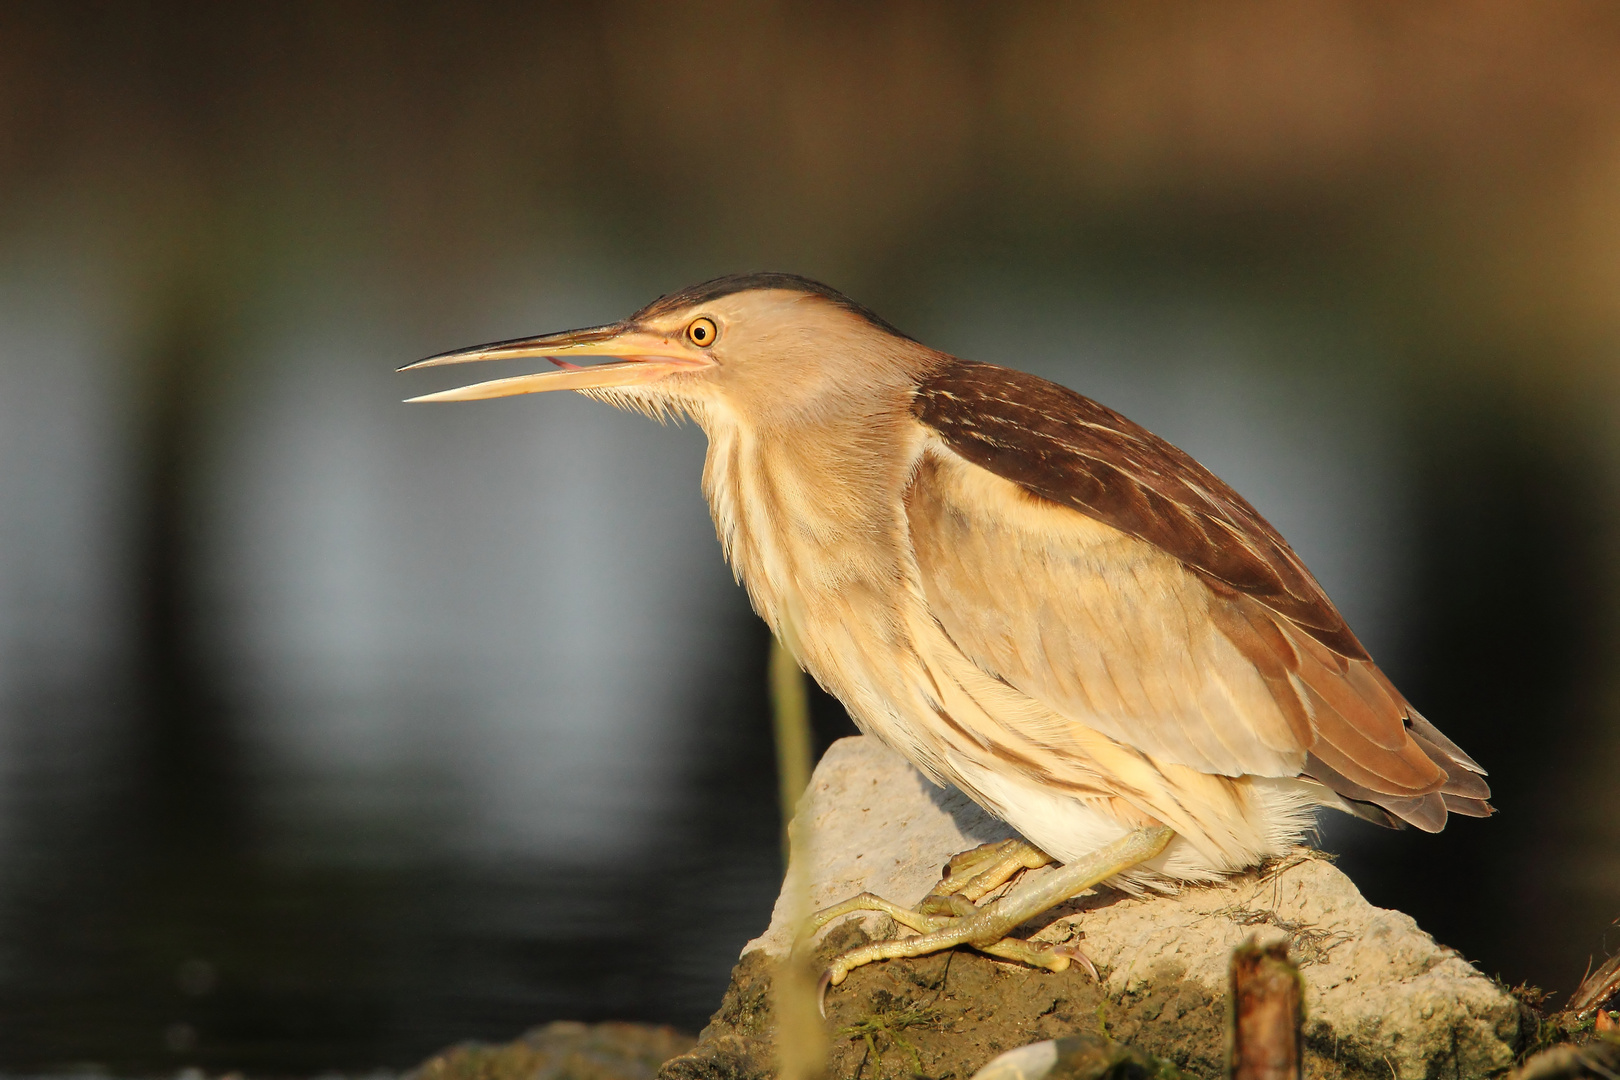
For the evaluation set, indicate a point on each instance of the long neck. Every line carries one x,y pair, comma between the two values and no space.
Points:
809,515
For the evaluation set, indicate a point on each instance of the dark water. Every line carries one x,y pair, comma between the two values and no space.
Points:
1508,635
148,926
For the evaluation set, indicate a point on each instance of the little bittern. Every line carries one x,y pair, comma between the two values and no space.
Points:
1024,593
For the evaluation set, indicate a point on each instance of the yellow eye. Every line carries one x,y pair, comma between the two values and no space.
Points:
702,332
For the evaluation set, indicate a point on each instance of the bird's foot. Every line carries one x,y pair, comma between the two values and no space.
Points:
974,874
951,920
965,880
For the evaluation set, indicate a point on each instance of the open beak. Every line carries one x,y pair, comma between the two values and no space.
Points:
643,357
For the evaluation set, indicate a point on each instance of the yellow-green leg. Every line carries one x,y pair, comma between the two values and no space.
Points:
986,928
911,920
967,877
974,874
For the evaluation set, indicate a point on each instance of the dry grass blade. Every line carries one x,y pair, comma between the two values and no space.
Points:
801,1041
1597,988
790,710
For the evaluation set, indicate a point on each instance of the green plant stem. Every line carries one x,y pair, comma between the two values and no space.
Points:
790,708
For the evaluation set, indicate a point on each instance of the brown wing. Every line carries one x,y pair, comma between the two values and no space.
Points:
1361,737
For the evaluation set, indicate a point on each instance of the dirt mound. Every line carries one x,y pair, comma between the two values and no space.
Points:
946,1016
1381,997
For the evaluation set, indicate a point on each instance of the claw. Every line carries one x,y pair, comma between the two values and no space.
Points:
821,992
1076,956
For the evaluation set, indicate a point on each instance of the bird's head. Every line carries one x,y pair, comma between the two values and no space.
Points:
761,348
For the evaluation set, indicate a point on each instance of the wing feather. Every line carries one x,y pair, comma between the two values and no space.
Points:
1103,572
1075,452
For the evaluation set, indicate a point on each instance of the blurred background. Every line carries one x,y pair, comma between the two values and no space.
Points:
333,731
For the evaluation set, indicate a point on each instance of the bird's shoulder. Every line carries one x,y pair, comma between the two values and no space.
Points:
1069,450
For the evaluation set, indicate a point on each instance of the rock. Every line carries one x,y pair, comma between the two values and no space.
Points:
879,826
1381,998
563,1051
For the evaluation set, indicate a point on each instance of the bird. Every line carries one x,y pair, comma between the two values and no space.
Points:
1025,594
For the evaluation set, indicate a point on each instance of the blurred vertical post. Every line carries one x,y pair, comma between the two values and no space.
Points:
800,1041
790,707
1267,1013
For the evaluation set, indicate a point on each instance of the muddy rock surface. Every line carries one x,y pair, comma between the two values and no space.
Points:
562,1051
1382,998
946,1016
